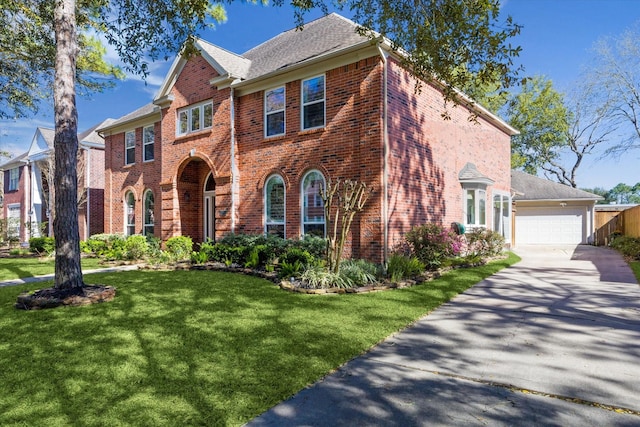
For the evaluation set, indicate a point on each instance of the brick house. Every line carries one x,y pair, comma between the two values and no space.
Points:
241,143
27,190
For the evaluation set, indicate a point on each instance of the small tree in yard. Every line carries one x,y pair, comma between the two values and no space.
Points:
351,198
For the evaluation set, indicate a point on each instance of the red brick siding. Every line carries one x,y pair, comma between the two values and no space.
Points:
17,196
350,146
428,152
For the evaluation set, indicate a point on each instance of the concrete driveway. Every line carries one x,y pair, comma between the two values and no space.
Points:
551,341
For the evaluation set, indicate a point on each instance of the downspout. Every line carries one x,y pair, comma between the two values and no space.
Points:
385,164
87,180
29,201
234,168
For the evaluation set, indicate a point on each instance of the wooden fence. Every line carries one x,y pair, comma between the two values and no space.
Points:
626,222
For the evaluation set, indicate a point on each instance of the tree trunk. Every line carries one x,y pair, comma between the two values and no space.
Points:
68,274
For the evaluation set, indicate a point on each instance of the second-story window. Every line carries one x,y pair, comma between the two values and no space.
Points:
313,97
274,104
14,178
195,118
148,139
130,148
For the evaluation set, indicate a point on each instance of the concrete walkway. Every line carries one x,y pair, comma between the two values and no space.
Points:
46,277
551,341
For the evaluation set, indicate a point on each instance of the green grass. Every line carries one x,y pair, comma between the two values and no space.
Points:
635,266
191,347
21,267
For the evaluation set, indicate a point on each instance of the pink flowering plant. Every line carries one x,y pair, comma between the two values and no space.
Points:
433,244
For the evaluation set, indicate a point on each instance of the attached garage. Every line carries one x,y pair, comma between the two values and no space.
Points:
548,225
549,213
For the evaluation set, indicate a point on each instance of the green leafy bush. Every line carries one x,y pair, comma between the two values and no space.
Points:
199,257
432,244
359,272
135,247
105,244
180,247
482,242
297,254
316,246
288,270
400,267
627,246
42,245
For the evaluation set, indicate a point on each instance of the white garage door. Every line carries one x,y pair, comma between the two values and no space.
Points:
550,225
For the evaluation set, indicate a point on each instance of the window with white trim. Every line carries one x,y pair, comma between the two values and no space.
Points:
502,214
313,102
149,219
195,118
13,221
475,207
130,147
274,206
274,109
14,178
129,214
148,143
313,221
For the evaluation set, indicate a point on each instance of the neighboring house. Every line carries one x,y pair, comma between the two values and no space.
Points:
29,194
547,212
242,143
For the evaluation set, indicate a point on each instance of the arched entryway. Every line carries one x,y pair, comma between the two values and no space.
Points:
196,199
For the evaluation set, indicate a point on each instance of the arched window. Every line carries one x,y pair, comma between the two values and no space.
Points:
129,213
148,213
313,221
274,206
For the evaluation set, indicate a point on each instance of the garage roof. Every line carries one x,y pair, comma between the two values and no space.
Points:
530,187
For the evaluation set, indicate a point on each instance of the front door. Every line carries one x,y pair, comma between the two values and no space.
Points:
209,210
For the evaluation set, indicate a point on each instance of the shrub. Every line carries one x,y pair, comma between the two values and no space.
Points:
222,252
180,247
199,257
432,244
359,272
627,246
482,242
135,247
288,270
42,245
400,267
259,256
103,244
316,246
297,254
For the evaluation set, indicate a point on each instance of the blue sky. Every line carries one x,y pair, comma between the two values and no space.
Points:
556,42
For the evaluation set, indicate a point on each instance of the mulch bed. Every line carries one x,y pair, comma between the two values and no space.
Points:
52,297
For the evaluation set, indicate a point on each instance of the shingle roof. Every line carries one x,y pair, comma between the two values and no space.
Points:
48,135
322,36
13,162
534,188
91,134
229,61
470,173
140,112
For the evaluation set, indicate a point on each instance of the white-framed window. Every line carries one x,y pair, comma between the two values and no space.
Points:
14,178
130,213
130,147
13,221
313,221
148,143
274,111
274,206
502,214
149,219
195,118
313,102
475,207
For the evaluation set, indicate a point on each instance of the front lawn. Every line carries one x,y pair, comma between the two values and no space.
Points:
21,267
192,347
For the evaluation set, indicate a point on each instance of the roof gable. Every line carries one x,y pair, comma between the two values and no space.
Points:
531,187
